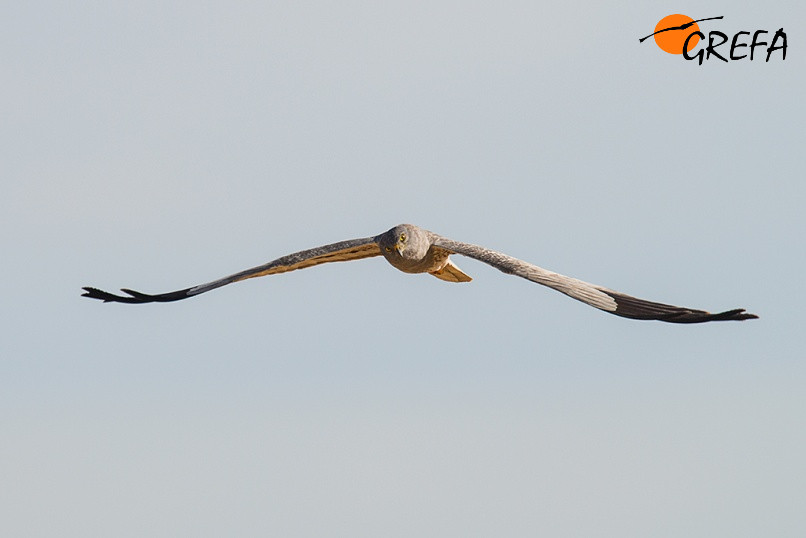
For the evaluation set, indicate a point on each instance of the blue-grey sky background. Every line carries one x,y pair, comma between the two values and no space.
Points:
159,145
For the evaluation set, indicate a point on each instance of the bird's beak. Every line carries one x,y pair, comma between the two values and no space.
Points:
398,248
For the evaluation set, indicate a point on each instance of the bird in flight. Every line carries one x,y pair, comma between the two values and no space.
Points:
412,249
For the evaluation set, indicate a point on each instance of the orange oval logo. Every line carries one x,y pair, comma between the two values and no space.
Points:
672,32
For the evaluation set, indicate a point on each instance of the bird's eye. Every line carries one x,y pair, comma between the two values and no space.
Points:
388,249
402,237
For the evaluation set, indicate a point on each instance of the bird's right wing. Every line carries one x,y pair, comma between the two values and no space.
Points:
599,297
353,249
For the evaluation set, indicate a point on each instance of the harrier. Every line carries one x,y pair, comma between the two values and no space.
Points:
415,250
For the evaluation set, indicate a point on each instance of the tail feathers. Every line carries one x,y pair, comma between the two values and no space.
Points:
451,273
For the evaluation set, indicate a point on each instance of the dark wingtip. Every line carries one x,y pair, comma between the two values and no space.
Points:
136,297
685,315
105,296
634,308
738,314
95,293
136,294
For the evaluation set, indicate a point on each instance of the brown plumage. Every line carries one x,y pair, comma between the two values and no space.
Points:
414,250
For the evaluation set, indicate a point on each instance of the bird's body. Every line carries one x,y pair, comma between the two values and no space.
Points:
412,249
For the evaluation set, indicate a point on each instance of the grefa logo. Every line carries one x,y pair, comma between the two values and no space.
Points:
679,34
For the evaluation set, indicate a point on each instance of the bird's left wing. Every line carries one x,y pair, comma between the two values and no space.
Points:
353,249
599,297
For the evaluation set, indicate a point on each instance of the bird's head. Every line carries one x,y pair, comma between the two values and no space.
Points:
404,241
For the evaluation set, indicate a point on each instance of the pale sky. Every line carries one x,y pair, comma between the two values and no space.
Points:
160,145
